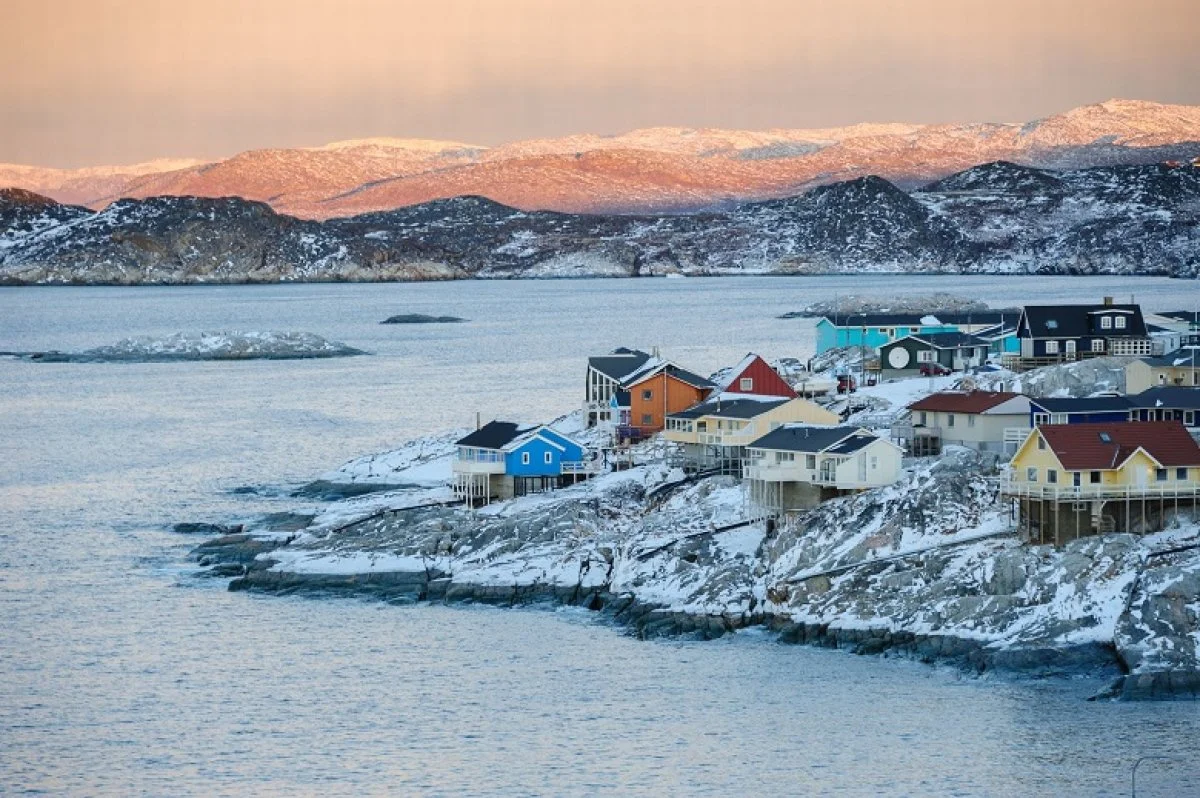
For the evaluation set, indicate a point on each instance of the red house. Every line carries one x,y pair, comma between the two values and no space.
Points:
754,376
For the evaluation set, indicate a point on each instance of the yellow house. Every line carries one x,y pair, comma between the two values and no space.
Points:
715,433
1070,480
1177,368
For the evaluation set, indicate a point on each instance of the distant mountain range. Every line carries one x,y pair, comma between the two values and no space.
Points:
653,171
998,217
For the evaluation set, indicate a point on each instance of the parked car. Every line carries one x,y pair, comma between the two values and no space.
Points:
846,383
934,370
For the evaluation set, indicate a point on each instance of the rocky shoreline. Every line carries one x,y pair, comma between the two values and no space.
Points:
926,571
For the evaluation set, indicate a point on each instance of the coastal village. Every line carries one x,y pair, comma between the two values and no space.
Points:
1065,466
1009,490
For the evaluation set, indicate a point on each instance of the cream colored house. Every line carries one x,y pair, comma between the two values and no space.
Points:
1070,480
1178,368
715,433
988,421
798,466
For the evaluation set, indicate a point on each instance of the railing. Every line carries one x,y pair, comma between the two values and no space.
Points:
478,456
1058,493
580,467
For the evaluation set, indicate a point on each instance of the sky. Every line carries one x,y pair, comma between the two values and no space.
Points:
119,81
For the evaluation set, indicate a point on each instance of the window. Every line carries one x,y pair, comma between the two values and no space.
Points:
546,458
922,420
1097,344
1106,322
746,383
647,395
1120,322
874,463
1105,437
1041,418
1094,477
647,418
925,356
970,421
810,461
1189,418
1180,473
524,458
949,419
1052,347
1041,442
1031,474
1052,476
1160,475
1051,324
784,457
1076,478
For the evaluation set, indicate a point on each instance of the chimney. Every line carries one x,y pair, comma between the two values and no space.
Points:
476,419
1108,301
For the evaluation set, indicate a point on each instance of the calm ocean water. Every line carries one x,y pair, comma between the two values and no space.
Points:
121,672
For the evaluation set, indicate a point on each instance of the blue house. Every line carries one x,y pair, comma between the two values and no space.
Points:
502,459
1086,410
873,330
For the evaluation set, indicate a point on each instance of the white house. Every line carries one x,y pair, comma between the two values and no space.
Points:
799,466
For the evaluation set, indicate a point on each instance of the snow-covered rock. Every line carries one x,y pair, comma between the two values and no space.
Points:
230,345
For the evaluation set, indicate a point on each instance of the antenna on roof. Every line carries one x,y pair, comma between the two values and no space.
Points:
476,419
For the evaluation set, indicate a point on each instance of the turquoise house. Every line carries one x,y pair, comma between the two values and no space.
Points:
873,330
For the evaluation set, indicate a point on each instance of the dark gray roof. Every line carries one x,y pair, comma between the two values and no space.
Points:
914,319
803,438
493,435
1178,397
1086,404
622,398
1179,315
1181,358
683,375
852,444
948,340
1076,321
619,363
730,408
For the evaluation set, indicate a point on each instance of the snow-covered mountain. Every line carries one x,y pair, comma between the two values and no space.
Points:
653,170
994,218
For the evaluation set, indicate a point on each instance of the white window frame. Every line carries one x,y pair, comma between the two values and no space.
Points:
1097,344
524,458
1031,474
949,419
1106,322
1120,322
547,458
925,356
970,420
746,383
1052,347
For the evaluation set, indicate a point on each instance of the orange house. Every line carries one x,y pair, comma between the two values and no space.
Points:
660,392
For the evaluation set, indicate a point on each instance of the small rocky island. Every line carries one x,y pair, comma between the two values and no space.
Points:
421,318
202,346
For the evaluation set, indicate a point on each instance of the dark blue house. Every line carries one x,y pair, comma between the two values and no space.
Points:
1087,410
1072,332
1168,403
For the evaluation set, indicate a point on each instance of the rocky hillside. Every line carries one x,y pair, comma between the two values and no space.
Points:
654,170
995,218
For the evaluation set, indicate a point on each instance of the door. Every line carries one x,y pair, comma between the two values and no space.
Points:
1141,477
1070,348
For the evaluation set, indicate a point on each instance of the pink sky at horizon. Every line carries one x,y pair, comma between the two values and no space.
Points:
121,81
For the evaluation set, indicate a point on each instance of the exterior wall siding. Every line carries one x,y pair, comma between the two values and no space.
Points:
766,382
647,412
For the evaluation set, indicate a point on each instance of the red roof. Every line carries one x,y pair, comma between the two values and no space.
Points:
963,401
1083,447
